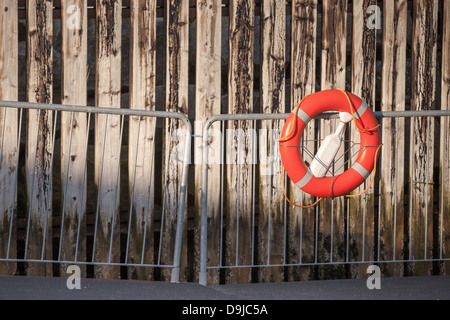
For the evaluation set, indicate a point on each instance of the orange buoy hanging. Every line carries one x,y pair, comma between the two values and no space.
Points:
291,157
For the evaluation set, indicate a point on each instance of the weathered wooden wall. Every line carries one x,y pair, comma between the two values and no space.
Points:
202,58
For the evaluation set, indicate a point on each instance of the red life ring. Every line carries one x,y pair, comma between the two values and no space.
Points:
291,157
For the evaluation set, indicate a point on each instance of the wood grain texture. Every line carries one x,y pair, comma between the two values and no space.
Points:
392,187
73,132
207,104
271,233
107,136
9,153
422,133
39,149
444,191
301,235
362,209
240,141
141,141
331,215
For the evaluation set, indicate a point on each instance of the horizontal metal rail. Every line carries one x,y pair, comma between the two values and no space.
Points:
98,110
326,115
95,263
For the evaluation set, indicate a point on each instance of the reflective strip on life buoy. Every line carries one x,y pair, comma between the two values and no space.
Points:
291,157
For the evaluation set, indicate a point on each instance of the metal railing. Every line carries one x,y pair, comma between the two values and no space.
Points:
221,230
121,118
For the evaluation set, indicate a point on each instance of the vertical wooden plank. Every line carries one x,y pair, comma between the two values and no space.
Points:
303,82
334,32
331,215
8,132
39,135
176,100
207,104
271,233
240,141
361,209
107,135
422,132
73,131
444,203
141,143
393,87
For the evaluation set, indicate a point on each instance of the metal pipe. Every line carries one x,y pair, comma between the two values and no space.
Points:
175,276
99,110
204,203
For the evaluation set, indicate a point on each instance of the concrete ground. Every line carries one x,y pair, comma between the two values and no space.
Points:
411,288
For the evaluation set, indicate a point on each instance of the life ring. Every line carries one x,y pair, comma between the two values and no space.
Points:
291,157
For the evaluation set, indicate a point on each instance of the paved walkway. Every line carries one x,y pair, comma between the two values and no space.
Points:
428,288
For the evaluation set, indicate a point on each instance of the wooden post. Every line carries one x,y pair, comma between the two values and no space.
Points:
107,136
361,210
39,136
422,133
240,141
271,233
9,153
176,100
392,187
73,132
141,143
207,104
444,165
331,215
303,83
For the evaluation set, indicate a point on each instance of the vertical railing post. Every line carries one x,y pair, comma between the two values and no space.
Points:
175,276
